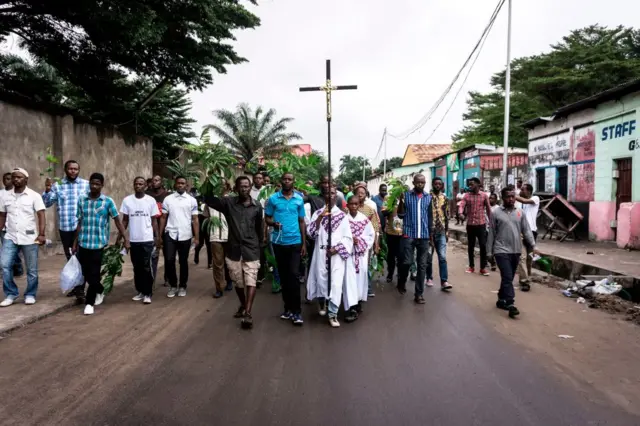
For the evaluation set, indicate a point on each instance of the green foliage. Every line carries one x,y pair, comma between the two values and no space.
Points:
584,63
304,169
395,188
392,163
112,262
253,134
51,160
351,170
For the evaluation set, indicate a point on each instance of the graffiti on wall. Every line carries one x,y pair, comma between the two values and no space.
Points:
550,151
584,178
550,179
583,144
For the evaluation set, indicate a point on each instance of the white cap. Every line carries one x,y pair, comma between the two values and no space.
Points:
21,170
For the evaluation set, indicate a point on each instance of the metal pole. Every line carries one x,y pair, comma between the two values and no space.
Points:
384,168
507,100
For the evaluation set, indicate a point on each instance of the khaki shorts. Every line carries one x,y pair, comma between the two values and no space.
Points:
243,273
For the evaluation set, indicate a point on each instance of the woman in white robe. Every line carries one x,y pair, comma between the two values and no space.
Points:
340,251
357,273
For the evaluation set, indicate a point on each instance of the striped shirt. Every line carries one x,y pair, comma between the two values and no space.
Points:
417,217
67,194
94,218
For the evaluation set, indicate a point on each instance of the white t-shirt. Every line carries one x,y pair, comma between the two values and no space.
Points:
180,210
531,211
21,210
140,212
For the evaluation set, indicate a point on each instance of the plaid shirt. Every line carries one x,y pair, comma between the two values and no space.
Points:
66,194
440,212
418,216
478,210
94,218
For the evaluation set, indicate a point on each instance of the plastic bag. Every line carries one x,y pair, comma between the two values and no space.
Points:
71,275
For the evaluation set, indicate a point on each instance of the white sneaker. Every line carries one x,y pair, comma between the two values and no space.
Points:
147,300
138,297
29,300
182,292
99,299
322,309
88,310
333,322
429,283
7,302
172,292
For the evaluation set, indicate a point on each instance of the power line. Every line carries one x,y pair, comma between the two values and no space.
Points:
425,118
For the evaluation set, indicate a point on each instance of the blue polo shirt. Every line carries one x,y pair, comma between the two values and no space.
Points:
286,212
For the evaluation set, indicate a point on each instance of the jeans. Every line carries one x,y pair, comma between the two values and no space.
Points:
181,249
9,253
507,263
288,261
440,243
478,232
91,263
17,265
394,256
142,267
333,310
407,248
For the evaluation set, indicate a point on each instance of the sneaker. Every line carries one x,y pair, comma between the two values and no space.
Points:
88,310
371,294
297,319
525,286
419,300
322,310
285,315
218,295
412,277
502,304
182,292
484,272
29,300
7,302
429,283
99,299
445,286
470,270
147,300
513,311
247,322
351,315
172,292
138,297
333,322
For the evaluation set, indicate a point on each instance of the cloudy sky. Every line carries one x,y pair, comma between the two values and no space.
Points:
402,54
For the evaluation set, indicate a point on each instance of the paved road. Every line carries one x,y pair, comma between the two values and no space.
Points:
185,361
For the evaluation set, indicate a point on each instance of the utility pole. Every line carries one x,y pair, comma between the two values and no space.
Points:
507,101
384,167
364,168
327,89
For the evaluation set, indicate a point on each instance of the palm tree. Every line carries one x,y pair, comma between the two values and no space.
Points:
250,134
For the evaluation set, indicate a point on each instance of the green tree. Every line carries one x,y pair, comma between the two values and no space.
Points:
585,62
351,169
252,134
94,43
392,163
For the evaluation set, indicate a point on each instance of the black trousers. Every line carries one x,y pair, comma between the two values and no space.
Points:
204,241
508,264
393,254
91,262
142,267
66,238
477,232
180,249
288,261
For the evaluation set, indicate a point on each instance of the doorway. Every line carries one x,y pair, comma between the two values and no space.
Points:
623,188
562,182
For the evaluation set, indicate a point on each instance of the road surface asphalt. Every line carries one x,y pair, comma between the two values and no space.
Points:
185,361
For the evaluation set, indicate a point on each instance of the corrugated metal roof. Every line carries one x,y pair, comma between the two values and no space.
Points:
424,153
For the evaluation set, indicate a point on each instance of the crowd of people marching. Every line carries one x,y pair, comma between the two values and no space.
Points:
335,235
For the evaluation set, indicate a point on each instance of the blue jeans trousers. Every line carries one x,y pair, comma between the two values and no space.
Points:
7,259
440,243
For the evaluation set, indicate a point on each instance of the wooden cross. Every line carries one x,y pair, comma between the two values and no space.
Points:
328,88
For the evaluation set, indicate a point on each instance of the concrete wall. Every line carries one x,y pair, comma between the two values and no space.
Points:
26,134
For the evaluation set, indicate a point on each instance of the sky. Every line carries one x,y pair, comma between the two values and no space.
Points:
402,54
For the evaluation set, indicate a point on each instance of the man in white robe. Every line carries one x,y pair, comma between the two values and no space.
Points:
337,255
358,263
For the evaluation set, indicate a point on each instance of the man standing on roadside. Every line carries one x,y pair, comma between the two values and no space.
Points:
439,234
22,211
509,227
66,195
285,212
416,213
258,185
379,200
530,204
139,211
92,236
8,186
180,223
476,209
244,218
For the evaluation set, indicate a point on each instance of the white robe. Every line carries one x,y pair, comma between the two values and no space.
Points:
357,273
341,239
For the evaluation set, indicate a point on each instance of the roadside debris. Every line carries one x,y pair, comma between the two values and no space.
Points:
565,336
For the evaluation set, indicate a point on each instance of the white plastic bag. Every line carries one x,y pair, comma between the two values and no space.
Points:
71,275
